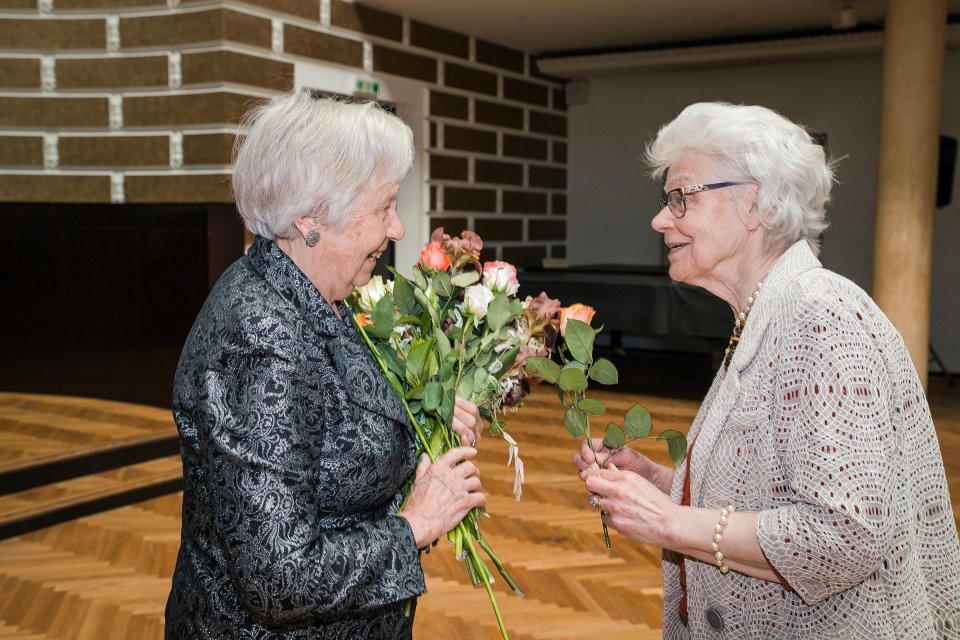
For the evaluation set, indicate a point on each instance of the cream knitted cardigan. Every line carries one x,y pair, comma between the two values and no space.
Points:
821,425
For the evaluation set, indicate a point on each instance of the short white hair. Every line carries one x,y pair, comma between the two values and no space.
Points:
299,156
759,145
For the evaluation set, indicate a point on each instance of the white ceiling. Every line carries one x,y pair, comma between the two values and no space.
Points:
568,26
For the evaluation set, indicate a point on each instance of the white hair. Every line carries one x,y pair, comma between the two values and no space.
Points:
301,156
791,169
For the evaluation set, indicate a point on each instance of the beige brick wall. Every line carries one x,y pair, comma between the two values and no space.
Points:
139,100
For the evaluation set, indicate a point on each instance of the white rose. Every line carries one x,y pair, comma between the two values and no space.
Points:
371,293
476,299
501,276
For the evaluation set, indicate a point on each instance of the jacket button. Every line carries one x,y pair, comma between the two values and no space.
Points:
714,619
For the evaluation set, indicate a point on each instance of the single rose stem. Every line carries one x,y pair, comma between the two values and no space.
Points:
486,585
498,564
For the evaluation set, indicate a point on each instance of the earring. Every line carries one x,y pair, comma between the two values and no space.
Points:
312,237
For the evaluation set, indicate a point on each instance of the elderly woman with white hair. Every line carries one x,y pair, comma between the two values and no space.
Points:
295,446
813,502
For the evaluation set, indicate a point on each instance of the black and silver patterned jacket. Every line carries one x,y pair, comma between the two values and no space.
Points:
294,451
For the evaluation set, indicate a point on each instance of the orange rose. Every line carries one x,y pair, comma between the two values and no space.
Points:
434,258
577,311
364,319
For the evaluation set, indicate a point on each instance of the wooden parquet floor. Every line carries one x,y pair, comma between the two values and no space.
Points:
107,575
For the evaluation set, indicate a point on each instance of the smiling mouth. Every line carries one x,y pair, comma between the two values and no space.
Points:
675,246
375,255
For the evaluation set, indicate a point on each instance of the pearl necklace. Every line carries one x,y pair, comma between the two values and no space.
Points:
738,327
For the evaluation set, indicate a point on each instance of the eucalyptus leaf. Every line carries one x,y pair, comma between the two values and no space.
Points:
465,279
383,318
614,438
442,284
575,421
592,406
637,422
572,379
604,372
498,313
676,444
432,395
403,296
543,368
579,340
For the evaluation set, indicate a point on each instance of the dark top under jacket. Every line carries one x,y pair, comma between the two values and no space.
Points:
295,448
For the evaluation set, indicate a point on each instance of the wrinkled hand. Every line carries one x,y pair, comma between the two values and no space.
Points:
632,505
442,494
588,463
466,422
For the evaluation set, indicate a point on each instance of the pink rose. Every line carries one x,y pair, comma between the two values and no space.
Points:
501,277
577,311
434,258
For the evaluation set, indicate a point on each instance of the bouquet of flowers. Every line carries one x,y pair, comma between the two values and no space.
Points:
457,328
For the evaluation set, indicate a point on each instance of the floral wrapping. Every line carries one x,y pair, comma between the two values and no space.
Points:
294,450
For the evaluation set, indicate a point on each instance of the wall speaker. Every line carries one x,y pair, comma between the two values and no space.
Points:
948,163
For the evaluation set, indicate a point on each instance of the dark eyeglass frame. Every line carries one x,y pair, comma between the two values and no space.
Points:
680,208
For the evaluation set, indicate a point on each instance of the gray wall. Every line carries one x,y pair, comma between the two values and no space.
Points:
611,200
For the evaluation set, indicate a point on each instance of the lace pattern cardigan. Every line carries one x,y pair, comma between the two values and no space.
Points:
821,425
294,450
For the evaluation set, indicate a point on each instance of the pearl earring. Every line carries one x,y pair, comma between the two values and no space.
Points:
312,238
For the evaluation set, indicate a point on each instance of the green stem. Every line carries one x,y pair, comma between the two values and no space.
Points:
486,585
383,366
498,564
606,533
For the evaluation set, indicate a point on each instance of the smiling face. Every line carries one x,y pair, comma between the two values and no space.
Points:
706,246
347,257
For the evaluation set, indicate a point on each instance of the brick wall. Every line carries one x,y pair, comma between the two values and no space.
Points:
137,101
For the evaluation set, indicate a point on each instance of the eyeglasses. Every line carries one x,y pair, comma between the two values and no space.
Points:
676,199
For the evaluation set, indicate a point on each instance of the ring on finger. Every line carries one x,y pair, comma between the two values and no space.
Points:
595,501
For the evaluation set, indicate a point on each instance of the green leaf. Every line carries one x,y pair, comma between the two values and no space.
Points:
505,361
498,313
418,361
496,426
419,279
465,387
676,444
572,379
416,392
383,317
637,422
579,340
604,372
432,395
466,279
575,421
442,284
446,406
436,441
614,438
391,359
403,296
443,344
543,368
592,406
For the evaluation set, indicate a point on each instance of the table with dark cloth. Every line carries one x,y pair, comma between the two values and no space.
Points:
638,301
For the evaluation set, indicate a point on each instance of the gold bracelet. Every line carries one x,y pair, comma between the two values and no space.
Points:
725,514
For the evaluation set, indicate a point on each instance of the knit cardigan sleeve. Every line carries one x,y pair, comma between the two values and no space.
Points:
833,404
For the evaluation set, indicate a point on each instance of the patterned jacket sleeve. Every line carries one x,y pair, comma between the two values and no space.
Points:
833,407
263,425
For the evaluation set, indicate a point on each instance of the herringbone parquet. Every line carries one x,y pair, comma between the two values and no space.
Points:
107,576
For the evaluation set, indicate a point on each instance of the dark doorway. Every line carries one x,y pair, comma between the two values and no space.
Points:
98,299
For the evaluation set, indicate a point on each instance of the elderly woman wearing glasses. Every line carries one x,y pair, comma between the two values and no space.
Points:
813,501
